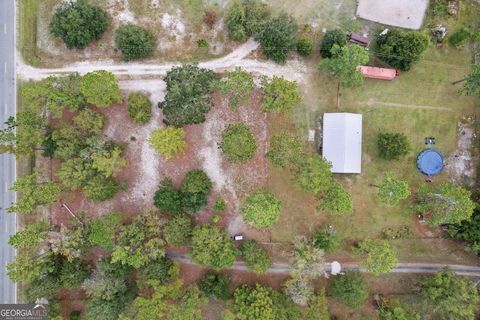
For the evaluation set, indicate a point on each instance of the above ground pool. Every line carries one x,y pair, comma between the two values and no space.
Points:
430,162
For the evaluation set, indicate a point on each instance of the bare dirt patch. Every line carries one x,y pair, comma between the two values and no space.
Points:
460,164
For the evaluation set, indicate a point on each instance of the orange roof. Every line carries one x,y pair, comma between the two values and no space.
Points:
378,73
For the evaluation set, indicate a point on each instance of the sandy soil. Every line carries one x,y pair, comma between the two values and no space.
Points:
460,164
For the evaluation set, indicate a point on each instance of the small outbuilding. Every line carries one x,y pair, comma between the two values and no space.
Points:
342,141
359,39
378,73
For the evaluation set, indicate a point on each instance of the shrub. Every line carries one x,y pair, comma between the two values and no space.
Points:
392,145
169,141
216,218
299,290
304,46
167,198
100,188
139,107
244,18
78,23
256,258
237,85
100,88
279,95
197,181
332,37
220,205
210,17
325,238
202,43
178,230
278,37
134,42
351,289
261,209
215,285
285,149
460,37
75,315
238,143
212,247
335,199
391,190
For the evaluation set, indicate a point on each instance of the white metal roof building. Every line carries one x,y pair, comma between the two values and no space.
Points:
342,141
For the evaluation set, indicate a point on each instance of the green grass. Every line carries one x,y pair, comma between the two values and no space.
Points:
27,30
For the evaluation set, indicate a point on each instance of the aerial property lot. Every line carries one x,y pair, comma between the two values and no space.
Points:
408,14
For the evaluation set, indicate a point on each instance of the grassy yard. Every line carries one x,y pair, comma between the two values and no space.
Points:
27,30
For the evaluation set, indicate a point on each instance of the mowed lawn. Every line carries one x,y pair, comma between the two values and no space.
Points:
420,103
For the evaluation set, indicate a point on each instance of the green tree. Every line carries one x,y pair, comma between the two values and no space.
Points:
278,37
460,37
326,239
89,121
237,85
75,173
168,141
161,269
379,257
109,164
194,202
78,23
468,231
215,285
68,141
261,209
314,174
391,190
256,258
190,306
188,95
139,107
392,145
23,135
444,204
472,84
35,191
343,64
307,261
104,229
393,310
167,198
220,205
30,237
100,188
332,37
279,95
335,199
212,247
238,143
351,289
178,230
100,88
318,307
401,49
305,46
244,18
299,290
134,42
285,150
196,181
450,296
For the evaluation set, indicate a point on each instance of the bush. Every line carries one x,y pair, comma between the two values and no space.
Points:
178,230
210,17
197,181
335,199
100,188
460,37
392,145
304,46
100,88
167,198
237,85
78,23
202,43
324,238
169,141
331,38
215,285
238,143
220,205
261,209
279,95
139,107
278,37
285,149
134,42
216,218
245,18
351,289
299,290
256,258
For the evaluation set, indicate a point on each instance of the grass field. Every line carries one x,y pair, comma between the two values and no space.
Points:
27,27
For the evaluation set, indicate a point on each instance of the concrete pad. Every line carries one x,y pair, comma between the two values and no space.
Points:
406,14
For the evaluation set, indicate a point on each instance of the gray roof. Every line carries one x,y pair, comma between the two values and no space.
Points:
342,141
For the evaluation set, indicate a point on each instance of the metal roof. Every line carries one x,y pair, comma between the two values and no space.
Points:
342,141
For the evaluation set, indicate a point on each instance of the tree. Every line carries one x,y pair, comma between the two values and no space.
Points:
472,84
194,202
245,18
100,88
379,256
256,258
325,239
30,237
444,204
188,95
262,303
299,290
78,23
307,261
285,150
162,270
279,95
401,49
75,173
450,296
23,134
212,247
393,310
332,37
335,199
134,42
197,181
305,46
178,230
351,289
35,191
318,307
343,64
68,141
168,141
220,205
100,188
468,231
190,307
139,107
392,145
167,198
89,121
261,209
104,229
109,164
237,85
278,37
391,190
314,174
238,143
215,285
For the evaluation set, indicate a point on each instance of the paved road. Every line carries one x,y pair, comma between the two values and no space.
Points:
279,268
8,222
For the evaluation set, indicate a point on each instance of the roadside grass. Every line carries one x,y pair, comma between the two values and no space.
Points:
27,30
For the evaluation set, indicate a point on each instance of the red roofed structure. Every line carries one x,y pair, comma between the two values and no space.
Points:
378,73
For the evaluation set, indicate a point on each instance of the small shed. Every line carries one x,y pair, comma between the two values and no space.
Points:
359,39
342,141
379,73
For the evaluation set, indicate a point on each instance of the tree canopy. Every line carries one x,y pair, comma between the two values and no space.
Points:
332,37
391,190
178,230
278,37
244,18
279,95
256,258
237,85
134,42
104,229
392,145
379,257
100,88
139,107
468,231
394,310
168,141
261,209
307,261
215,285
285,150
351,288
238,143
